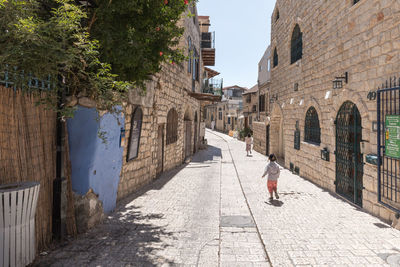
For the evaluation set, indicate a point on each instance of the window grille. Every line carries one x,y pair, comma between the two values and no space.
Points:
220,114
172,126
262,103
254,108
275,62
296,44
312,131
248,98
134,139
229,120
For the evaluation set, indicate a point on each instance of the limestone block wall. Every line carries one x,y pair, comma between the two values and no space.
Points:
259,137
338,37
168,89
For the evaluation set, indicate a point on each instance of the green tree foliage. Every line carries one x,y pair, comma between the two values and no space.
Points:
136,36
51,38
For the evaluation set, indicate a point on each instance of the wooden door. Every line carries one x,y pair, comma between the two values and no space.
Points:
160,149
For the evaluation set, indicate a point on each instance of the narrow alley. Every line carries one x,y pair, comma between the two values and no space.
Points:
215,211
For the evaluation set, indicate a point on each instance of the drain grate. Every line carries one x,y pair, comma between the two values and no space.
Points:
381,225
237,221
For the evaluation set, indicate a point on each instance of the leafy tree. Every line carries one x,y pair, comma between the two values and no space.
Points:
56,38
136,36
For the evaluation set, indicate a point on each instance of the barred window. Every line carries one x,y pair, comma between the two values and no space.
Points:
275,61
296,47
355,2
220,114
172,126
262,103
312,131
134,138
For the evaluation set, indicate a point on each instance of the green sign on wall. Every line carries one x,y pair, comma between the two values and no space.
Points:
392,136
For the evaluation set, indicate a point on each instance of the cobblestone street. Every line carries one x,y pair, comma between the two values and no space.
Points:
215,211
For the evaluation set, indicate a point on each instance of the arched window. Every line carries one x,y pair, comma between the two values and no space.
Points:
134,138
220,114
275,60
296,45
172,126
277,15
312,131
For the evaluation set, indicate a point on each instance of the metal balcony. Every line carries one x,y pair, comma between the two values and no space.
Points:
212,86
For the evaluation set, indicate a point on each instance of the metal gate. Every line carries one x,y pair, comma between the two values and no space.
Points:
388,106
349,160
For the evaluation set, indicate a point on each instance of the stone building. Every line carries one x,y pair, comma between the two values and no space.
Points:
261,126
163,126
225,114
250,106
327,56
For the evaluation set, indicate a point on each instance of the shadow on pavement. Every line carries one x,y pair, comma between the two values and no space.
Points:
275,202
125,237
209,154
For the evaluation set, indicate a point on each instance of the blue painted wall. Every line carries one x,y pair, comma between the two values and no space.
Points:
95,164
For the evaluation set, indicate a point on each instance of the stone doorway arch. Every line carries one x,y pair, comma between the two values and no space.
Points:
349,160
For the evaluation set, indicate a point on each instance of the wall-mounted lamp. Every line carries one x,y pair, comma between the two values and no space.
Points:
325,154
371,95
338,81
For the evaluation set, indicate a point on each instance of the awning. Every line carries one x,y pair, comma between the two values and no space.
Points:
205,97
241,117
211,72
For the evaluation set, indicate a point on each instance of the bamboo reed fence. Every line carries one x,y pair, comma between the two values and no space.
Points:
28,153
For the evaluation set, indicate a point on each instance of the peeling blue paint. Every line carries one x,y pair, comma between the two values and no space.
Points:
95,164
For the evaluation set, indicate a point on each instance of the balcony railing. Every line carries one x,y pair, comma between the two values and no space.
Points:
208,40
213,86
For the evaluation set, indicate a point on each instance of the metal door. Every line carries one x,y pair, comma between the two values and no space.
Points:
349,160
160,149
188,138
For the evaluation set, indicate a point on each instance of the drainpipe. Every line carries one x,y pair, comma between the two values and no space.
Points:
58,225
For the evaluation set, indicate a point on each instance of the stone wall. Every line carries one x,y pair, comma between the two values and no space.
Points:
168,89
338,37
259,137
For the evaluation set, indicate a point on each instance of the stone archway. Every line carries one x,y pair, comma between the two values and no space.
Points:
349,160
277,140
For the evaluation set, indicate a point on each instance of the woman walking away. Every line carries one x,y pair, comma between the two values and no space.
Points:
248,140
273,171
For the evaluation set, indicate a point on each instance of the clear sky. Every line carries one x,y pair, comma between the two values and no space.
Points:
242,34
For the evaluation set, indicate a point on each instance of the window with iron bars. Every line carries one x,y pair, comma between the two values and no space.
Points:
275,61
248,98
261,102
296,44
312,130
172,126
254,108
